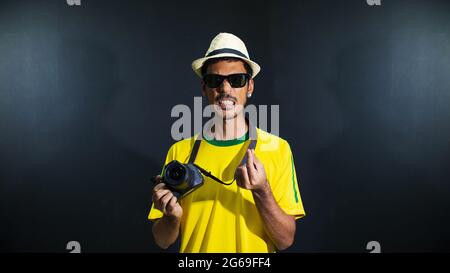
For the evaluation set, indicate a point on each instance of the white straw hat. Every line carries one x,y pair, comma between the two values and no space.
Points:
226,45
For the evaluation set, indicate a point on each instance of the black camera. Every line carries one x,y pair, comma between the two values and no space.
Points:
182,178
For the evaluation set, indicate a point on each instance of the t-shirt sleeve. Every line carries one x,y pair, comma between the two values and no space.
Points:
285,187
156,213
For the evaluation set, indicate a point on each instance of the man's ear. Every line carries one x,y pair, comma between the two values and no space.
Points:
203,88
251,85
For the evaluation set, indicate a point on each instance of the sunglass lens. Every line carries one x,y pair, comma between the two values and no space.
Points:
213,81
237,80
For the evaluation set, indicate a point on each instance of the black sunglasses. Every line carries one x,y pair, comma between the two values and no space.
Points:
235,80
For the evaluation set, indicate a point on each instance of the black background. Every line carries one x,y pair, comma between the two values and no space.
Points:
86,93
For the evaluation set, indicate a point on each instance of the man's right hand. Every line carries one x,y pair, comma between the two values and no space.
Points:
165,201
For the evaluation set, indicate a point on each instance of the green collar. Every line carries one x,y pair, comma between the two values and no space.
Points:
230,142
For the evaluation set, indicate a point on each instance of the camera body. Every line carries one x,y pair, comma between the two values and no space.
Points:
182,178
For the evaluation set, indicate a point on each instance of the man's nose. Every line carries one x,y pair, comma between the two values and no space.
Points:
225,87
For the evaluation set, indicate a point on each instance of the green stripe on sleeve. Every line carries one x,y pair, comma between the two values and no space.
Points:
293,179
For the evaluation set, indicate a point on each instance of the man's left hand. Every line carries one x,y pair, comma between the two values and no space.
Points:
252,175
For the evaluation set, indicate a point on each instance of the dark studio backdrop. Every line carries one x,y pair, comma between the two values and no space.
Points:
86,93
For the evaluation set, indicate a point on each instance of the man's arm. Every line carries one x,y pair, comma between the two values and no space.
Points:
279,226
166,229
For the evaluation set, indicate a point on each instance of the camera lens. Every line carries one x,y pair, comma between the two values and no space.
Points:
181,178
177,172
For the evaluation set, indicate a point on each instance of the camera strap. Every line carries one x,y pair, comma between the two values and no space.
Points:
196,147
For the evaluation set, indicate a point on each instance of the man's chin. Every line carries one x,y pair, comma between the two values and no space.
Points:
227,114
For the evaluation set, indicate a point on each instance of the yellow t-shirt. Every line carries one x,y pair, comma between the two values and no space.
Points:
220,218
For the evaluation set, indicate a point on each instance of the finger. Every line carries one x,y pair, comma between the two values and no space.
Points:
160,193
158,178
250,164
245,179
172,203
165,200
256,161
158,196
158,187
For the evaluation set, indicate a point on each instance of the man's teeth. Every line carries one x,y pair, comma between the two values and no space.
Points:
227,102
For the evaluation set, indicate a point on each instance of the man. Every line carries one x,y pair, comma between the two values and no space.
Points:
258,212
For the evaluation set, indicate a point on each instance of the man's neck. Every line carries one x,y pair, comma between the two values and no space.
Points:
230,129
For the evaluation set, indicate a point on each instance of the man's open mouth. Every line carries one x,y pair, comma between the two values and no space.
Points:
226,104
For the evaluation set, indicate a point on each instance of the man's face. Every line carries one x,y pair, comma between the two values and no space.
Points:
228,101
